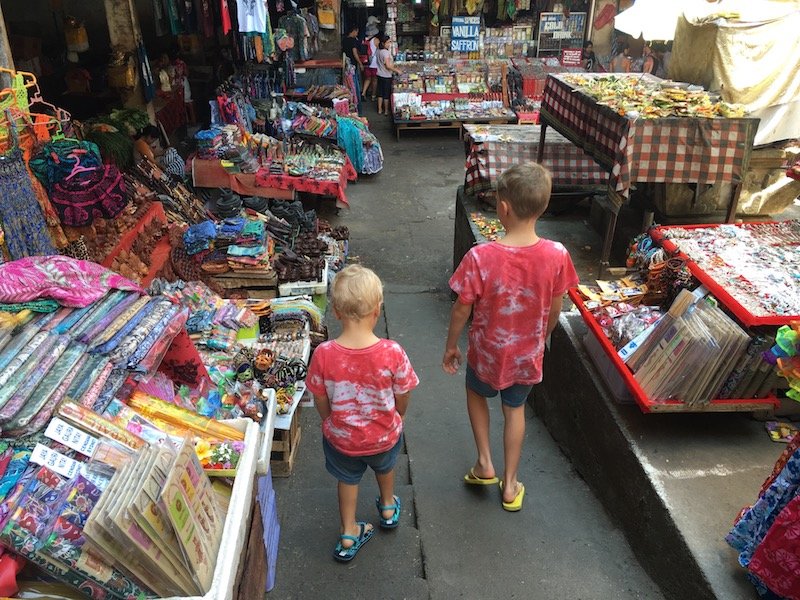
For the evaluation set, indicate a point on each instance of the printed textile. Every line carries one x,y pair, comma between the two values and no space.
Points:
751,529
90,194
252,15
511,290
70,282
361,386
21,215
776,561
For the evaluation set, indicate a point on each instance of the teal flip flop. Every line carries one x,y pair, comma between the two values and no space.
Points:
394,520
343,554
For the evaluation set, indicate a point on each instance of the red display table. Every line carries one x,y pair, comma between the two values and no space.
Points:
210,174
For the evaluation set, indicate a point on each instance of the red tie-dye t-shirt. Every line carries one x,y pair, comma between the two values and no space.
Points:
361,386
511,290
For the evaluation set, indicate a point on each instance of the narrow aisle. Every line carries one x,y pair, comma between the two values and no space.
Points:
453,541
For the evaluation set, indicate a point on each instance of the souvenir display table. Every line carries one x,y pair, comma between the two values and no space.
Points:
301,183
750,271
635,150
491,149
209,173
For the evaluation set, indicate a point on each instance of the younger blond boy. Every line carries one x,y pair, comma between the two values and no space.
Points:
361,385
513,289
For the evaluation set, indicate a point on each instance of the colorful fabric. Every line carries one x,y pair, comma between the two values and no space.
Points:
672,150
97,193
59,159
335,189
776,561
489,156
361,386
750,530
21,216
511,290
70,282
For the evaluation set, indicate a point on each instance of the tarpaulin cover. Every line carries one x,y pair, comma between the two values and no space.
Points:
754,52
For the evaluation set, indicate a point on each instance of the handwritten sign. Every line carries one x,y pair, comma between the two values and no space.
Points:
571,57
465,34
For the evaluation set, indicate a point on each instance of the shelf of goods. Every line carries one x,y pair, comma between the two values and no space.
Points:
788,231
647,404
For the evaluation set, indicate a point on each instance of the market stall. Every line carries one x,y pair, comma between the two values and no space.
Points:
645,131
648,332
491,149
449,94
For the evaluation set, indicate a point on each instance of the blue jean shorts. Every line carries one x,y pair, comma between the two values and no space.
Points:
350,469
514,396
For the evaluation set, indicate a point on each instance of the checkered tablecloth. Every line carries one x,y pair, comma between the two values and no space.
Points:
668,150
494,148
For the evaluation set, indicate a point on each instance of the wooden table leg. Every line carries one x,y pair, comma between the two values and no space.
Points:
733,205
540,149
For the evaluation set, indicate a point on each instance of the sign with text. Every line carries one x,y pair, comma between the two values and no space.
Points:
465,34
571,57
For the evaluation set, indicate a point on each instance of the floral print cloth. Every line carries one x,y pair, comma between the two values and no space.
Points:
70,282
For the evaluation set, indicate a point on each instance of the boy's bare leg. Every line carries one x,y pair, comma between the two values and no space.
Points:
513,436
479,418
386,487
348,497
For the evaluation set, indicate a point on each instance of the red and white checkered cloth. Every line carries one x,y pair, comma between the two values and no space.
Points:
486,160
673,149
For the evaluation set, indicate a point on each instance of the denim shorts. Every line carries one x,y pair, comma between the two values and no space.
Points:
350,469
514,396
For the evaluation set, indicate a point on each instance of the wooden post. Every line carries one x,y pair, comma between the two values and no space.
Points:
126,35
6,59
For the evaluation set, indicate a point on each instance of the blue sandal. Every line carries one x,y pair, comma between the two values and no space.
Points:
392,521
343,554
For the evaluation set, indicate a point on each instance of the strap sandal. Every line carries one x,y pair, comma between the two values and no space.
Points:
343,554
393,521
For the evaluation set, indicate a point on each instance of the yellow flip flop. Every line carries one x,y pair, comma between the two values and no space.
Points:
516,504
472,479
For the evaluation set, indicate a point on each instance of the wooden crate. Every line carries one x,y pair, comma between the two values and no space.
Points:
284,447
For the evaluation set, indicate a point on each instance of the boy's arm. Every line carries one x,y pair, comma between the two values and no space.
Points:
555,310
323,405
458,319
401,403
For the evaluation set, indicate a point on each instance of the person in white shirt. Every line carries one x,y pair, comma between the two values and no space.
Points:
371,71
385,69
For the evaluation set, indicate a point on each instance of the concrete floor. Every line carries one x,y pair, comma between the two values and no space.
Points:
453,542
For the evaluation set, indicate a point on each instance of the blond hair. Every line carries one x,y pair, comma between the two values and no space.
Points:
357,291
526,187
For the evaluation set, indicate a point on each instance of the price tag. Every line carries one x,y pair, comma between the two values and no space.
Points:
72,437
55,461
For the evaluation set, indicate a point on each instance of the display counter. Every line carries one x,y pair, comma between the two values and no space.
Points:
491,149
211,174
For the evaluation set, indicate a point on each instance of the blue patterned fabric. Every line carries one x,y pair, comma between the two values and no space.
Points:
748,533
25,228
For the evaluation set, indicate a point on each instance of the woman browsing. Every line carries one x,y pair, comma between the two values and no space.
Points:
385,69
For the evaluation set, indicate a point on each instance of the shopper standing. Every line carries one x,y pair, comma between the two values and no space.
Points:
621,63
371,70
386,67
361,386
513,289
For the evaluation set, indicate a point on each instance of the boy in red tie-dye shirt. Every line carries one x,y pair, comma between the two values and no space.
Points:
361,386
513,289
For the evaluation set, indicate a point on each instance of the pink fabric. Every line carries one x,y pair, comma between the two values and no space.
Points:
70,282
776,561
511,290
361,386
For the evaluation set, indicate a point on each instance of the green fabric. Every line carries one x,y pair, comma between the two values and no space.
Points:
41,306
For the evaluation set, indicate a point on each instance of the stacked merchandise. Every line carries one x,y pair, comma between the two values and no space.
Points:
84,496
351,133
659,331
764,535
238,244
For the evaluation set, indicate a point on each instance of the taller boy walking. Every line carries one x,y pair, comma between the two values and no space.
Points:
513,289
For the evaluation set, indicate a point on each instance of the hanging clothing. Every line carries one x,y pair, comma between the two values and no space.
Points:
252,15
160,18
296,27
225,16
205,18
22,220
